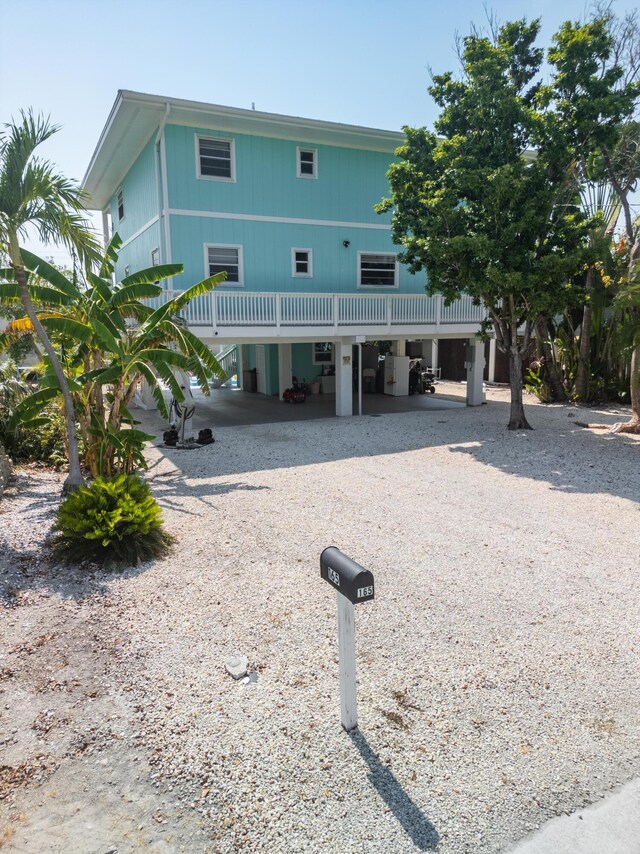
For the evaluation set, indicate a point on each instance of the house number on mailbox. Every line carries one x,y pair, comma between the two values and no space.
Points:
353,585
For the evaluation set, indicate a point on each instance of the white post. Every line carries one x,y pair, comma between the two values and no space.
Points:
430,350
241,364
344,377
359,379
399,347
284,368
347,653
475,371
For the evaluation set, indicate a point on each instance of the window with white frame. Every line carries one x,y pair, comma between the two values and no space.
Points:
323,353
377,270
301,263
216,158
225,258
307,162
120,203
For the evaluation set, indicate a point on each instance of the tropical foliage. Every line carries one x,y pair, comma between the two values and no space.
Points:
475,207
112,340
113,521
44,444
33,194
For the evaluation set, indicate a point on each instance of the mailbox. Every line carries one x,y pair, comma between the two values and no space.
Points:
346,576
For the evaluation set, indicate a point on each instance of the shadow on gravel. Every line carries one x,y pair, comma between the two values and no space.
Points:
558,452
568,458
414,822
169,486
25,563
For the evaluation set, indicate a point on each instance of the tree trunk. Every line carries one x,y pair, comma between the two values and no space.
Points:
74,478
517,419
581,383
555,380
632,426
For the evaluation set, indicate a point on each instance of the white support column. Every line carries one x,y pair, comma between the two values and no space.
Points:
492,361
284,368
347,655
344,377
399,347
430,350
144,398
475,371
242,361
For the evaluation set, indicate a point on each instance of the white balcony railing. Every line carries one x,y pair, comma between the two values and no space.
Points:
220,309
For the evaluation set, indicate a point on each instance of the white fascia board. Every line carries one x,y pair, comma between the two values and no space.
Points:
269,124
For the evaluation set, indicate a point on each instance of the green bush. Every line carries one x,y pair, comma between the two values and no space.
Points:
44,443
114,521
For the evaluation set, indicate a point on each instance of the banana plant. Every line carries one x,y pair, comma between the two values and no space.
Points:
116,340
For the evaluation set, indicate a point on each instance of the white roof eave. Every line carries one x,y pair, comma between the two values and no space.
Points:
135,115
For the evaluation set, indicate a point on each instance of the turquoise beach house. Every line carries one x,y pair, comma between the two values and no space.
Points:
286,206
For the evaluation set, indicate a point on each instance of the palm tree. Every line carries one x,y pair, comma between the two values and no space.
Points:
32,193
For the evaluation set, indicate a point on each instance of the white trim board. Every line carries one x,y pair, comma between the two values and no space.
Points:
238,246
140,231
294,274
232,158
287,220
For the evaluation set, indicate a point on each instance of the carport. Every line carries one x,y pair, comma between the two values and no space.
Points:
229,407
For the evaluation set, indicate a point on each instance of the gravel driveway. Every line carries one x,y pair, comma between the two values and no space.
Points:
498,665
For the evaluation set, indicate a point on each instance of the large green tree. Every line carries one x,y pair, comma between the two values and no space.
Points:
488,204
622,166
33,194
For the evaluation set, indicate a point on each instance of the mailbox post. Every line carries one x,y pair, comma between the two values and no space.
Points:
353,584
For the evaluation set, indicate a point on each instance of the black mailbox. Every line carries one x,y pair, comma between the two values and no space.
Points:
347,576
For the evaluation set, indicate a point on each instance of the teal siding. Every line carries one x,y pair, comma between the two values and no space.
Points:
271,363
249,357
140,194
137,254
350,181
302,363
267,254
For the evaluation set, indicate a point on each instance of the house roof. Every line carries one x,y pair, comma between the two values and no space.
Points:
135,116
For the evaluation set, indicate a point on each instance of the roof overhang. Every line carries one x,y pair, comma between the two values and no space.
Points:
135,116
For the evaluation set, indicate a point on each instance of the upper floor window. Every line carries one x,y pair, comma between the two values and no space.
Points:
227,258
307,162
120,203
301,263
377,270
216,158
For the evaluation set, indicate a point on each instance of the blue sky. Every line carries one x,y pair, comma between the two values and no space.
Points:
356,61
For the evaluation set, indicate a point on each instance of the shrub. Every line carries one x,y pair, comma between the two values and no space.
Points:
43,443
114,521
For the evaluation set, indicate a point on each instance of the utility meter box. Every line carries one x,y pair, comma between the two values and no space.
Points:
349,578
469,355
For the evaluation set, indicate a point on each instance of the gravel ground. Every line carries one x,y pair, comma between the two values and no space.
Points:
497,667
